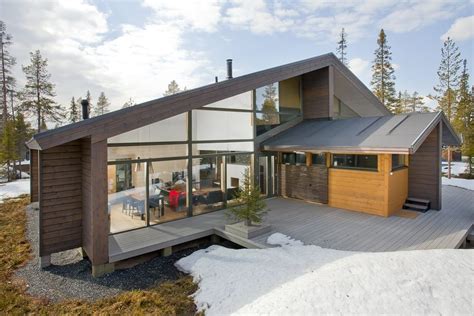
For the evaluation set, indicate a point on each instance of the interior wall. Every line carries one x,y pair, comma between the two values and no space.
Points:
424,179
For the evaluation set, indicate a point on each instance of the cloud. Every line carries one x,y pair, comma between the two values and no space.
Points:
359,67
413,15
462,29
198,15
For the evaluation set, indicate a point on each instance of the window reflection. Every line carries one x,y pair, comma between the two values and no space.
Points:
208,187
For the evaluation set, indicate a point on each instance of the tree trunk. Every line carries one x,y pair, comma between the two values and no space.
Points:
248,222
449,162
4,87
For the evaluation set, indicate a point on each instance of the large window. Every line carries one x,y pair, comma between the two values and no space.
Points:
398,161
146,151
277,103
215,125
319,159
342,110
208,186
364,162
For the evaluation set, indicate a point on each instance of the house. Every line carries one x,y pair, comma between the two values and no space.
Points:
308,130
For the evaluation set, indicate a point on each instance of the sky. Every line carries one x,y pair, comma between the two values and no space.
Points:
134,48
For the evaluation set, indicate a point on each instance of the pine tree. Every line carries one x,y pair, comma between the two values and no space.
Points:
383,78
89,99
416,103
269,106
398,105
23,132
74,115
173,88
448,75
252,207
128,104
39,92
342,46
8,152
7,63
464,119
102,105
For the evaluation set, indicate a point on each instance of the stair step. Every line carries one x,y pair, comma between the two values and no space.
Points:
416,207
418,200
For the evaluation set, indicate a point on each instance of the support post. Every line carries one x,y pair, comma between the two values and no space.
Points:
99,270
166,252
44,261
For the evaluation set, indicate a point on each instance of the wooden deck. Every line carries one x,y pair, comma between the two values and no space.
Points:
319,225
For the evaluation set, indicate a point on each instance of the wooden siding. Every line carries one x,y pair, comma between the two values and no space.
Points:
304,182
316,99
94,199
397,189
34,176
60,198
424,178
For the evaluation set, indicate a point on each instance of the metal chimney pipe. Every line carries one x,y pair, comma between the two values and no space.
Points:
229,68
217,79
85,109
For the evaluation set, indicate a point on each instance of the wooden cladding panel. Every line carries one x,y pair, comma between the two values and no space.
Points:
34,176
397,190
424,177
316,94
304,182
60,198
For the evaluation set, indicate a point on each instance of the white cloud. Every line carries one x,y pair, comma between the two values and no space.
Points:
359,66
198,15
413,15
462,29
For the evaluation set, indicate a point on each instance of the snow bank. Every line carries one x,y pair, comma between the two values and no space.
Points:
14,189
457,167
462,183
283,240
306,280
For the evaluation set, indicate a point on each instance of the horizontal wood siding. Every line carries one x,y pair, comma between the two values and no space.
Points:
304,182
424,179
87,238
60,198
34,176
359,190
316,91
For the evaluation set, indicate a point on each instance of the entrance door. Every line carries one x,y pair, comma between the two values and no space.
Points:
267,175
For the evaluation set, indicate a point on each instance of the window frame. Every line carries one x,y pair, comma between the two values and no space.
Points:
355,167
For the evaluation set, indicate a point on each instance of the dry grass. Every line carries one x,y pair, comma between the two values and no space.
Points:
169,298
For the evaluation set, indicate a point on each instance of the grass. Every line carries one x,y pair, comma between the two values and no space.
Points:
169,298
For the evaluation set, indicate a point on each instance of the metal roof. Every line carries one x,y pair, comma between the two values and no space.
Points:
121,121
402,133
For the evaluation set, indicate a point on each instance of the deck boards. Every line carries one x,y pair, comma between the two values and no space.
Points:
320,225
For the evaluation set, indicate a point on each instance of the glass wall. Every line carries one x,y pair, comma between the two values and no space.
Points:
342,110
277,103
237,166
208,186
213,125
167,198
126,195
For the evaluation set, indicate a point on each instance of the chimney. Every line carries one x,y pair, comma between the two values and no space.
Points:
229,68
217,79
85,109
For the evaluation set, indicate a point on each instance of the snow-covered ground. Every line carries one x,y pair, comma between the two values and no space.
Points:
297,279
457,167
458,182
14,189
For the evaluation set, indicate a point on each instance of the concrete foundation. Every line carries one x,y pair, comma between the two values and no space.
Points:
168,251
99,270
44,261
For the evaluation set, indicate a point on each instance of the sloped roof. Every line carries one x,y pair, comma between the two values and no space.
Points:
402,133
124,120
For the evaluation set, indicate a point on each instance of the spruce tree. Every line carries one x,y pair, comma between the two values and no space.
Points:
38,93
128,104
448,76
173,88
89,99
23,132
464,120
398,105
7,63
251,206
417,104
342,47
269,106
8,152
102,105
74,115
383,77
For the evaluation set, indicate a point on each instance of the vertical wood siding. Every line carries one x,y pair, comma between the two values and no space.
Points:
304,182
316,94
424,178
34,176
60,195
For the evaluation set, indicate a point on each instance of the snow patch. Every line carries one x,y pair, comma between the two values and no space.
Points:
308,280
457,167
283,240
14,189
461,183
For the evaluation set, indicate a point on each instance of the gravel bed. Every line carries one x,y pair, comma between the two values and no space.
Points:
69,276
